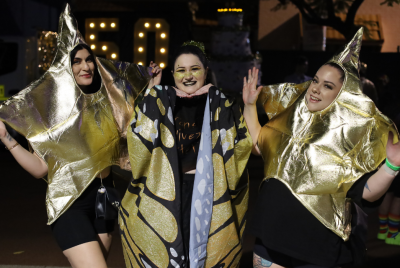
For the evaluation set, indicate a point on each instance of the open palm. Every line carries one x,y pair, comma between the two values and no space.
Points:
250,90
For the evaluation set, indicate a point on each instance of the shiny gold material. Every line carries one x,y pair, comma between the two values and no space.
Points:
77,135
319,155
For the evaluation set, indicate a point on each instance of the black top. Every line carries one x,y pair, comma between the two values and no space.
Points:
188,116
285,225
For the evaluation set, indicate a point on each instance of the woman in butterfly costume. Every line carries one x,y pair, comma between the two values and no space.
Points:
320,149
75,119
188,147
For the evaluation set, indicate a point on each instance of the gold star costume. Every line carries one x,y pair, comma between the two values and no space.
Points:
319,155
77,135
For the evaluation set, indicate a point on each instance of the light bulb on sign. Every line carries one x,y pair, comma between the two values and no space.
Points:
158,25
141,34
104,48
147,25
140,63
113,25
162,50
113,55
162,65
92,46
102,25
91,25
163,35
92,36
140,49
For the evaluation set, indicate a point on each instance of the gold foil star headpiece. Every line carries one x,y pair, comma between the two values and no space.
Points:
78,135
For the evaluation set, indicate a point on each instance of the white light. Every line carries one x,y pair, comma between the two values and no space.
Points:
140,63
162,50
141,34
104,47
92,36
158,25
140,49
92,46
162,65
163,35
113,25
102,25
91,25
113,55
147,25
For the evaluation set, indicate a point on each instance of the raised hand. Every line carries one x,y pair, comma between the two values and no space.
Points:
393,151
250,90
157,74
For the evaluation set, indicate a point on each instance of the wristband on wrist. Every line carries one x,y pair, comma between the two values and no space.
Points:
12,147
392,167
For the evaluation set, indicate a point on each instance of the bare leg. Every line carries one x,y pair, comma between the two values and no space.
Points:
259,262
105,243
385,206
87,255
395,206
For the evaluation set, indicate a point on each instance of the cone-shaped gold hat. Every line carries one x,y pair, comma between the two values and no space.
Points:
76,134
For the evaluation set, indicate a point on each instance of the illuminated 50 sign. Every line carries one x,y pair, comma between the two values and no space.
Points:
161,29
93,27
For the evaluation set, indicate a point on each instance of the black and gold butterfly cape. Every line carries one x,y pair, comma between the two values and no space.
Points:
150,213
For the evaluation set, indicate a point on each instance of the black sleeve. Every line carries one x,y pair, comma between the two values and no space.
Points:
356,193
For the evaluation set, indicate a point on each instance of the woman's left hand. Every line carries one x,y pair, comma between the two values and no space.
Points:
393,151
157,73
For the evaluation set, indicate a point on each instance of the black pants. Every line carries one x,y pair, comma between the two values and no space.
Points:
187,192
78,225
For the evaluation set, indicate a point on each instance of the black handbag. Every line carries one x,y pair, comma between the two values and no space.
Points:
108,201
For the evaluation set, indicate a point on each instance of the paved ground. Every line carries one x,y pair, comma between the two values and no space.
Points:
26,241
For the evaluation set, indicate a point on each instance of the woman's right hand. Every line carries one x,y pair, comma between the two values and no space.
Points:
250,90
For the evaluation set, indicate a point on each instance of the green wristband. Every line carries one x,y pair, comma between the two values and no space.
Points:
395,168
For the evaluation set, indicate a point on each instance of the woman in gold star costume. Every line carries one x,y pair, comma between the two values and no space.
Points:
188,147
68,119
321,147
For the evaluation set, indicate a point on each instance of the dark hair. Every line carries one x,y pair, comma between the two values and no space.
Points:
337,67
96,83
301,60
190,50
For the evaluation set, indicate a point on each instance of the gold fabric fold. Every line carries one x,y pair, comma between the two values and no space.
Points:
319,155
77,135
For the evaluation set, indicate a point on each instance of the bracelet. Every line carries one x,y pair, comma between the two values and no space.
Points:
12,147
395,168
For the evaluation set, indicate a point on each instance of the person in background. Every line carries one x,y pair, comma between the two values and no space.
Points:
368,86
299,75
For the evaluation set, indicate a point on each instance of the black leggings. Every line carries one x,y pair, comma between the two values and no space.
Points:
187,192
270,256
78,225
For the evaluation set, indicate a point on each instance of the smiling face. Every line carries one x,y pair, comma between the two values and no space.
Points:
189,73
324,88
83,68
